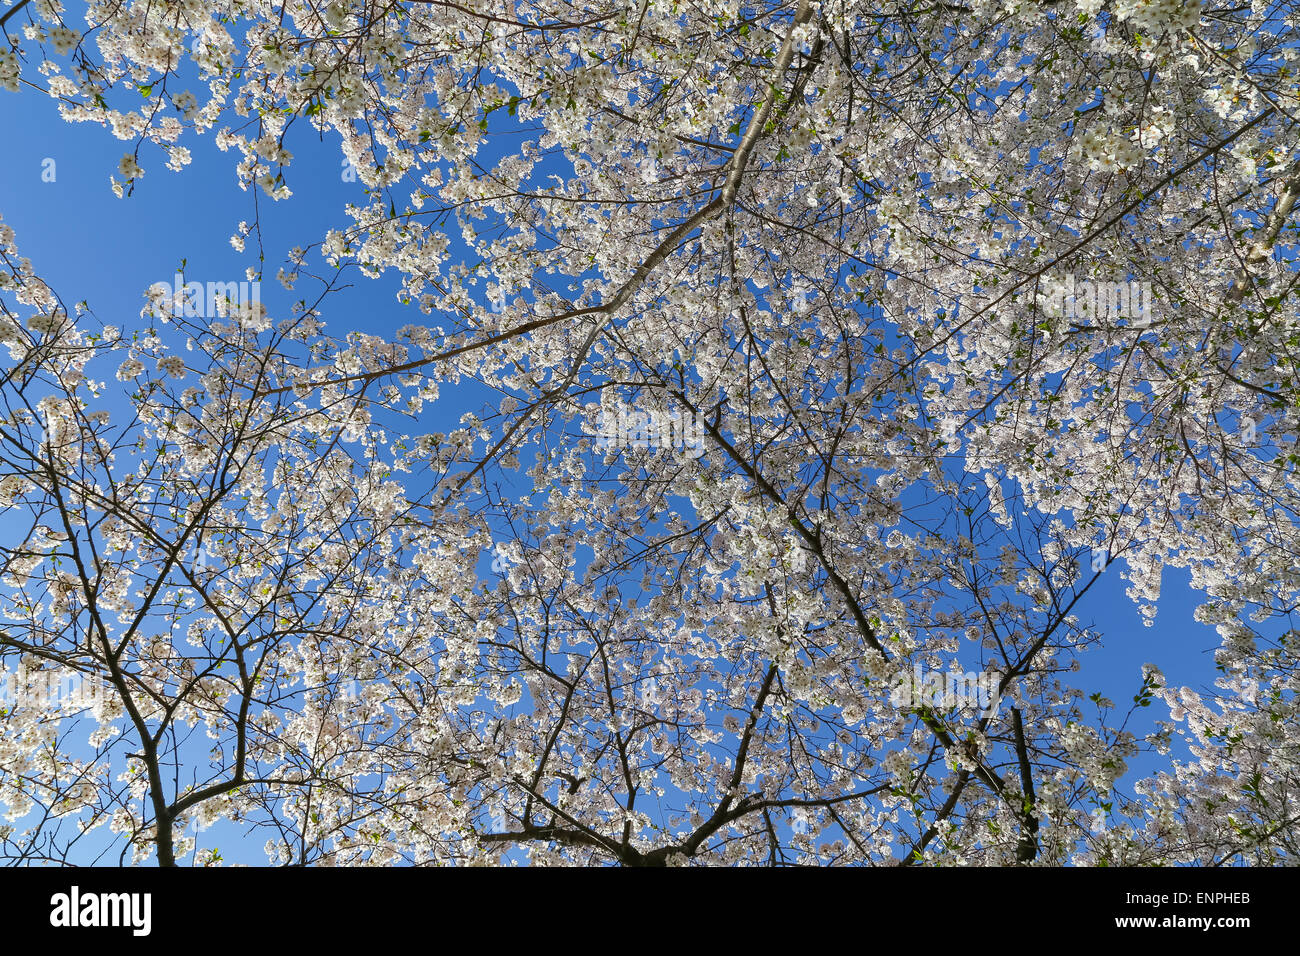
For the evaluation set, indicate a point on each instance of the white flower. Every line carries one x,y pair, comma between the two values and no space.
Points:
1156,16
129,168
186,103
1108,151
43,323
64,39
11,486
172,365
252,315
177,157
8,71
129,370
898,762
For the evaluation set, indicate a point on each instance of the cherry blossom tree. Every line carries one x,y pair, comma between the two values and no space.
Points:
885,258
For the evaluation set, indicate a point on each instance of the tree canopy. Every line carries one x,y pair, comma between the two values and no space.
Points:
822,400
